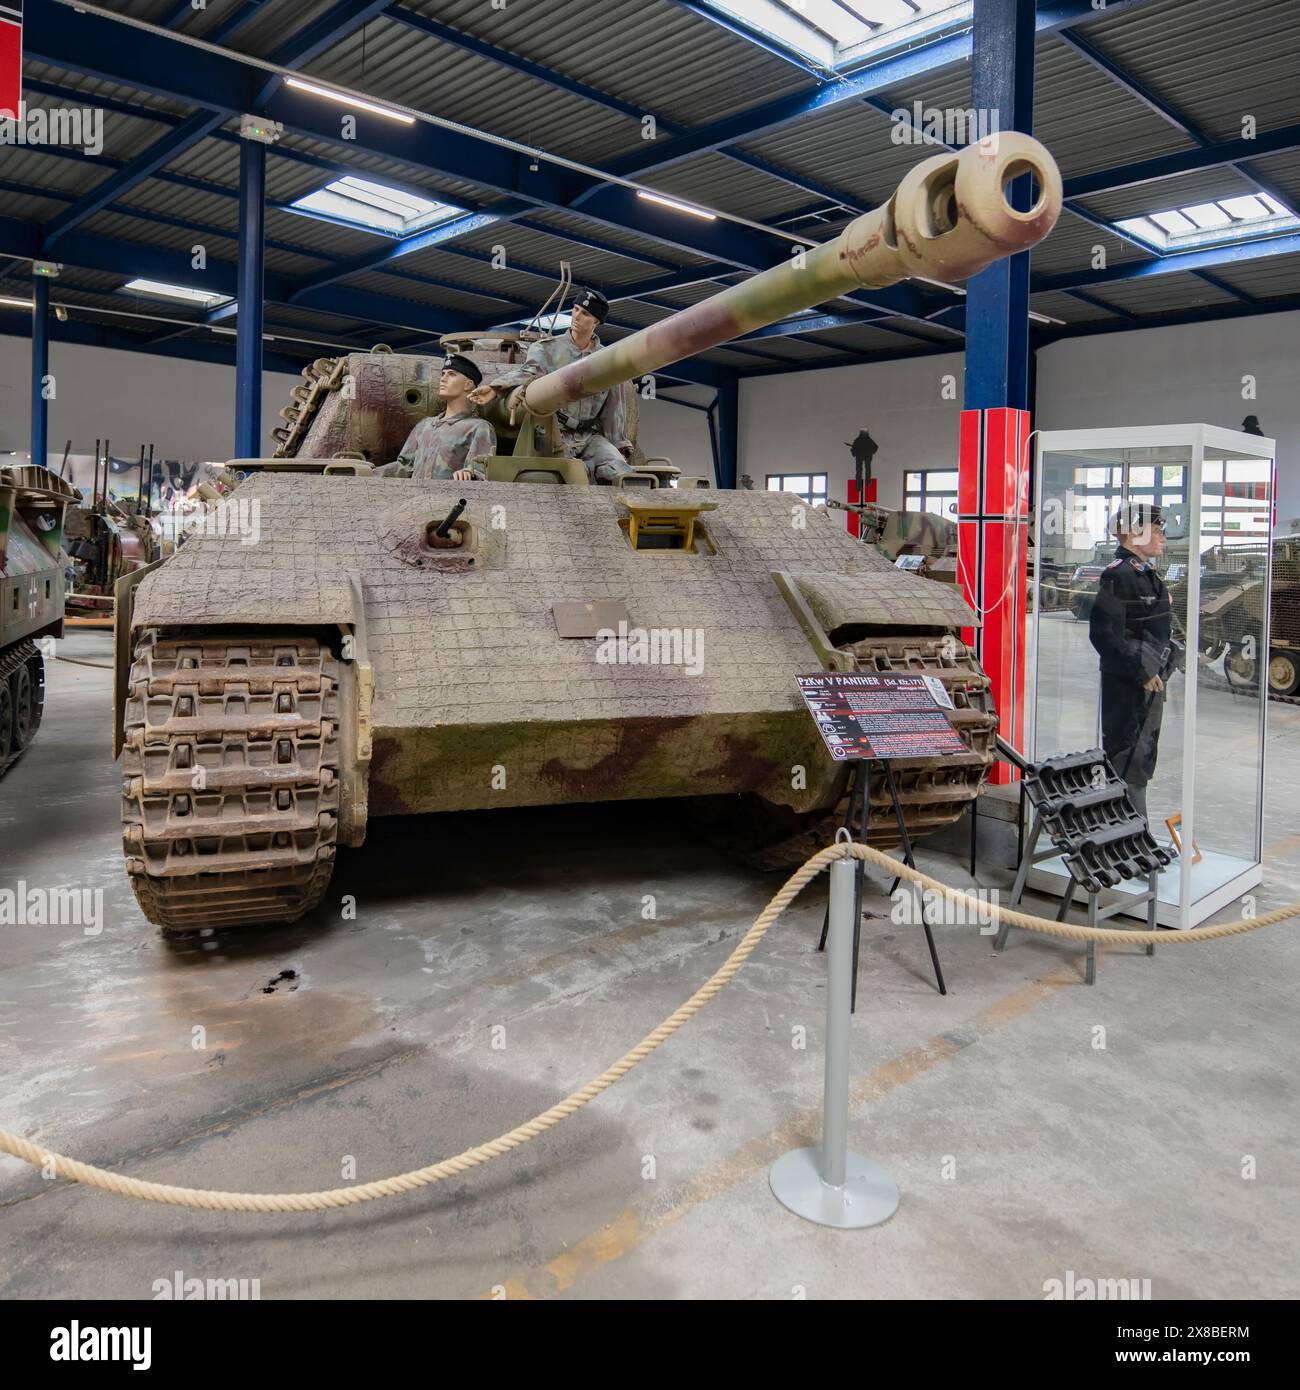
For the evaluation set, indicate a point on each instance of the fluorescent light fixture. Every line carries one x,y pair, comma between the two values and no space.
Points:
675,205
344,100
15,303
1215,223
157,290
1043,318
375,206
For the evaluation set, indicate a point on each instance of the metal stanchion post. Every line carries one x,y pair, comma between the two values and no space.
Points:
830,1185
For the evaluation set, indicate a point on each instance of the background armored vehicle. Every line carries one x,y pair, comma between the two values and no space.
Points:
1232,611
930,539
33,503
382,650
106,538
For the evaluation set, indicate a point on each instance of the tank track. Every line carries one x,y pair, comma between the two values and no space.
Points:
10,660
932,792
230,792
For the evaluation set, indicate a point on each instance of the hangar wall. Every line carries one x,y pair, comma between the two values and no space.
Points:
1190,373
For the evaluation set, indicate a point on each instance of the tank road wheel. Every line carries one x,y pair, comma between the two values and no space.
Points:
230,792
933,792
25,716
1283,672
6,726
22,697
1242,671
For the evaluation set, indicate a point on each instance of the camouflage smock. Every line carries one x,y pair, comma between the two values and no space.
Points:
605,412
438,447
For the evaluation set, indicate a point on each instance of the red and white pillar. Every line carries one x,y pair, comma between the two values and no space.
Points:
869,495
993,528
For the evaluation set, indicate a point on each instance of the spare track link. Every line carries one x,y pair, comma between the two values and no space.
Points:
933,792
10,661
230,791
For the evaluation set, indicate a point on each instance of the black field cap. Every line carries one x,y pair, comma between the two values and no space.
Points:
593,302
1134,517
456,363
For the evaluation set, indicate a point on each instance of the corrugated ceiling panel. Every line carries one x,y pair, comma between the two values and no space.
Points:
1272,278
1212,62
544,251
1070,247
471,305
91,87
1164,294
656,54
716,182
1069,309
561,222
402,66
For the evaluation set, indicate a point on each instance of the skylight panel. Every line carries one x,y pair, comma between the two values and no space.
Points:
375,206
1244,218
831,33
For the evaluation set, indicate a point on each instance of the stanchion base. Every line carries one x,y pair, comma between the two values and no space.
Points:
868,1197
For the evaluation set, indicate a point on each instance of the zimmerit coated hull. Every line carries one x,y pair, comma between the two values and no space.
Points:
479,702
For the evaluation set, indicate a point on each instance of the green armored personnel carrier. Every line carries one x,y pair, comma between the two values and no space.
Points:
388,646
33,504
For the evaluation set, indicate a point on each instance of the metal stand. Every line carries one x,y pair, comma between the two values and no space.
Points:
829,1185
1032,855
860,792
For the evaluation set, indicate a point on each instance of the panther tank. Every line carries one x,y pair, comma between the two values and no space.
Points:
342,648
33,505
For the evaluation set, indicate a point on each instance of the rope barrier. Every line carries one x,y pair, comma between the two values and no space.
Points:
207,1200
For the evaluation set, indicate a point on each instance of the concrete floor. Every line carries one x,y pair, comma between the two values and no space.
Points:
1023,1150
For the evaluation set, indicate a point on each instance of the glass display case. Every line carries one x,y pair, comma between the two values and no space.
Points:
1215,487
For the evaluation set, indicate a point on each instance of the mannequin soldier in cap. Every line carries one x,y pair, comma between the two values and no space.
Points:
593,429
448,445
1130,627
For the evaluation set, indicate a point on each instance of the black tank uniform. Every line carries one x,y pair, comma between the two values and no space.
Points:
1130,627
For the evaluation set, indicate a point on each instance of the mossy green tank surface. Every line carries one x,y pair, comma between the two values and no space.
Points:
341,647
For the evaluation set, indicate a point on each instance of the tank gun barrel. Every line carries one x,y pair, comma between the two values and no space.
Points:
948,219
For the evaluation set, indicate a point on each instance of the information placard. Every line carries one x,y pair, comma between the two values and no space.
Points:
881,716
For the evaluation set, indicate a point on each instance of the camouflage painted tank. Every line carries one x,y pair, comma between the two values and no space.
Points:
33,504
350,647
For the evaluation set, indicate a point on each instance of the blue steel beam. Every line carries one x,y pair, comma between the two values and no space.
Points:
252,270
40,368
336,24
997,299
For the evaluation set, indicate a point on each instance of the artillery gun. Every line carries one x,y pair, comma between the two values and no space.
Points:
383,651
33,504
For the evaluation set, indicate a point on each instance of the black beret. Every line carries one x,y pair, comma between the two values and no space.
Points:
456,363
593,302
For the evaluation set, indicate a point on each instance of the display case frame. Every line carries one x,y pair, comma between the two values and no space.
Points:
1191,889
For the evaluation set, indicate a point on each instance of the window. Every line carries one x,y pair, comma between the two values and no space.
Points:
374,206
1212,224
835,33
931,490
810,486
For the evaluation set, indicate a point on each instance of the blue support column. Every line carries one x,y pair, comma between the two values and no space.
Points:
997,300
248,343
40,368
727,413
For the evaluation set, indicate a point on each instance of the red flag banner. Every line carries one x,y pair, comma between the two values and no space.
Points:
11,57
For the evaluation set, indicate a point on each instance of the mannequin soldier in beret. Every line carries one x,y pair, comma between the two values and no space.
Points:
593,429
1131,628
448,445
